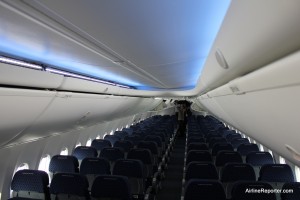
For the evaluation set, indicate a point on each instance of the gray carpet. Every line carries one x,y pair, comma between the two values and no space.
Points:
171,186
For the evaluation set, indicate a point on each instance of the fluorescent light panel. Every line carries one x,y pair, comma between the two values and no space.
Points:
19,63
83,77
61,72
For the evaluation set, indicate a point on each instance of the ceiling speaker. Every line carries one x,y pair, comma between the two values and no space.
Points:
221,59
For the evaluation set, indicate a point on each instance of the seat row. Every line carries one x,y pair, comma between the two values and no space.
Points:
220,164
34,184
139,163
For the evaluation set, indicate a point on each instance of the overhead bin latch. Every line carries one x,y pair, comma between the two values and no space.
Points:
236,90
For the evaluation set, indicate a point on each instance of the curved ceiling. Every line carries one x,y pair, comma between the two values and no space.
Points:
151,45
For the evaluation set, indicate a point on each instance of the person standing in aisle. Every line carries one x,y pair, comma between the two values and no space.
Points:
181,119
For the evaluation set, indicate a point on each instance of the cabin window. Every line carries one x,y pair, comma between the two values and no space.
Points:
270,152
281,160
104,135
98,137
111,132
22,166
64,151
297,173
89,142
117,129
44,163
78,144
253,141
127,126
261,147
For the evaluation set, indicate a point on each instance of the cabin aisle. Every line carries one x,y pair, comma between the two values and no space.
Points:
171,186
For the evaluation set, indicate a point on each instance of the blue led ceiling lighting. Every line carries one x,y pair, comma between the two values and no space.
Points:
203,18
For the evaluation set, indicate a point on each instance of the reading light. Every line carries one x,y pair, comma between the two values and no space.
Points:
19,63
83,77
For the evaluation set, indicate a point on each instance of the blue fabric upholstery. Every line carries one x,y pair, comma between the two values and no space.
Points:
30,180
198,155
111,187
198,189
201,170
245,149
276,173
82,152
60,163
237,172
224,157
259,158
221,147
69,184
112,153
94,166
99,144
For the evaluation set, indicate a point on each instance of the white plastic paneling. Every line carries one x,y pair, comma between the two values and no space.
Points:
19,110
19,76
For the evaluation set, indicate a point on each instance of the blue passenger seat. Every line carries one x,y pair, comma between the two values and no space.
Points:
276,174
233,172
99,144
198,189
82,152
110,188
66,186
92,167
198,155
60,163
112,138
112,154
134,171
201,170
30,184
258,159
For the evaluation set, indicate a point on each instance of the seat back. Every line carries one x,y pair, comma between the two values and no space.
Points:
145,156
60,163
99,144
233,172
238,141
224,157
198,155
69,186
215,140
201,170
112,138
134,171
279,173
245,149
221,147
82,152
204,189
232,136
31,184
259,158
197,146
92,167
193,139
121,134
112,154
110,188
